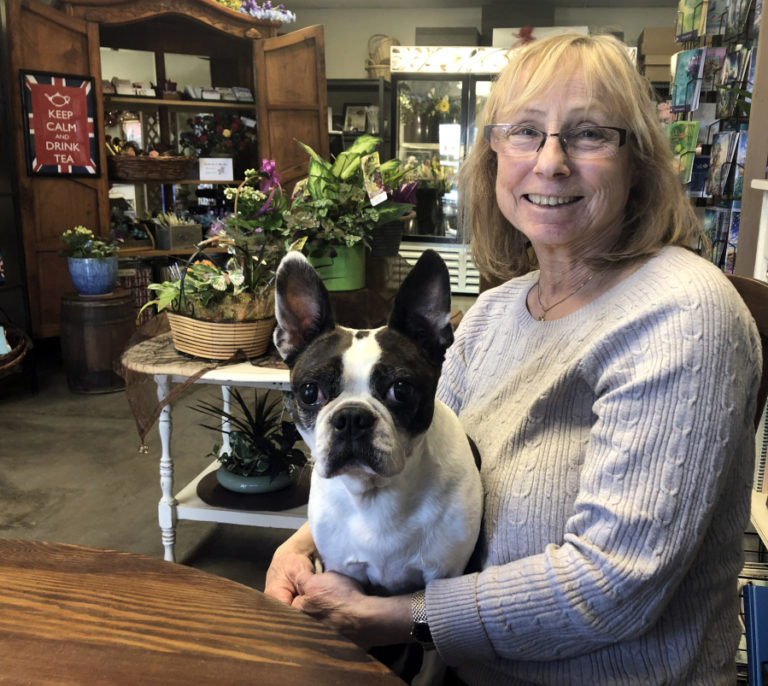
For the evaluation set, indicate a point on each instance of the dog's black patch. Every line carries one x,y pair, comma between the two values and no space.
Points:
422,306
402,360
323,367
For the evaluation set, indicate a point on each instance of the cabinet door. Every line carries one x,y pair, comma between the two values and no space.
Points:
289,73
44,39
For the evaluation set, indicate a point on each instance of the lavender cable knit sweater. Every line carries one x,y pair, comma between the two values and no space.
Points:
618,450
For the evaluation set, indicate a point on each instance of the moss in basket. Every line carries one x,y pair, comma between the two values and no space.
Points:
254,236
260,442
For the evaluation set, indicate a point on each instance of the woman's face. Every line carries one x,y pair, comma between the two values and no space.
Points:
566,207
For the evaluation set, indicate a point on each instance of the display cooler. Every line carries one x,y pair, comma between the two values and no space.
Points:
437,96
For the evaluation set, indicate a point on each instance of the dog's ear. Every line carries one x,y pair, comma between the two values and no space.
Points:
422,309
302,306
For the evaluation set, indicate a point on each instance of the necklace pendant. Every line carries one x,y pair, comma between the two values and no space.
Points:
543,315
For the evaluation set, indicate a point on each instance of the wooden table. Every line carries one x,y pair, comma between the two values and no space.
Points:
79,616
158,358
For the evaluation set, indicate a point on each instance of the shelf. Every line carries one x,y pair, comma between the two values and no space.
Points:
357,84
191,506
199,105
759,515
420,146
127,253
183,182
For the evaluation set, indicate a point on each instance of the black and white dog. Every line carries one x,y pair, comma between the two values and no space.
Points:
395,497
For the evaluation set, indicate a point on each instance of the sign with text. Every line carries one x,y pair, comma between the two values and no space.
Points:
59,124
216,169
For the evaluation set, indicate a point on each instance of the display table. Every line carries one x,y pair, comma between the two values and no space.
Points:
71,615
158,358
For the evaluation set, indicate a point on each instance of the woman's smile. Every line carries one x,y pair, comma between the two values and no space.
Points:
551,200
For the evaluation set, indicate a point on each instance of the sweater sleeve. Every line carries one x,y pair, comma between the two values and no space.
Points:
675,391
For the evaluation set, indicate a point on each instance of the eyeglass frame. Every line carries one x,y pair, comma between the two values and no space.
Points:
487,130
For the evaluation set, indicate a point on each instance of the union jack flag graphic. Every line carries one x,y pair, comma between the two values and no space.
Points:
59,113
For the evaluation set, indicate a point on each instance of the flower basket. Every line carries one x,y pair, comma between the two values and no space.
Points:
21,345
145,168
220,340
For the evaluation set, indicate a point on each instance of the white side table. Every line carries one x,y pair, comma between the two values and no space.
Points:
158,358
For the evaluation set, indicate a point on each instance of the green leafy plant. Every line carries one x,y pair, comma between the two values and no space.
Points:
260,441
80,242
254,236
332,208
429,174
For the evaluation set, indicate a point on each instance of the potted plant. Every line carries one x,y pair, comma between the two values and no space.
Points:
421,114
432,180
217,309
332,214
92,262
259,454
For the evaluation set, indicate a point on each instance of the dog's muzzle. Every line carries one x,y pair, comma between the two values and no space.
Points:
352,423
352,437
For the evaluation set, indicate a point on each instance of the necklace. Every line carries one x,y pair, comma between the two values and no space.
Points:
544,310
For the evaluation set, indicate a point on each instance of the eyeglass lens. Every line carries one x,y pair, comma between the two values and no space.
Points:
582,141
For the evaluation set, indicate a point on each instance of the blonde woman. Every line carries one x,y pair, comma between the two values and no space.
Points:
610,385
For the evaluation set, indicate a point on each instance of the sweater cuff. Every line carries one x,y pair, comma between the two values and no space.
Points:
454,620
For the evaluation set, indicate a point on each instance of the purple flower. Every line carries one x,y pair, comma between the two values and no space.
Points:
406,193
272,179
217,227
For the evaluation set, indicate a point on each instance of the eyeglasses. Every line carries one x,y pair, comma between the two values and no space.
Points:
584,142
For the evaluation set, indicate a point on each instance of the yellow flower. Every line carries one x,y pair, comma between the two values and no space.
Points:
443,105
226,133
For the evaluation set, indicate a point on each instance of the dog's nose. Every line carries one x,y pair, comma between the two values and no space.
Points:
353,422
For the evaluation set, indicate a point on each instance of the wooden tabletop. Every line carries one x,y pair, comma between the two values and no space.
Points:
73,615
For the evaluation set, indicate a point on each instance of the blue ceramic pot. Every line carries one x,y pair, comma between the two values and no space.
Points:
92,276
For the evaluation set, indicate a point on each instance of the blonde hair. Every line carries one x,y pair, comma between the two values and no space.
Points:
657,213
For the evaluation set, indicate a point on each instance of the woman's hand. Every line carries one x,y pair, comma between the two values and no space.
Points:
342,603
293,559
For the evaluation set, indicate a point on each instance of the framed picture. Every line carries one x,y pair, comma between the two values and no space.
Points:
59,124
354,117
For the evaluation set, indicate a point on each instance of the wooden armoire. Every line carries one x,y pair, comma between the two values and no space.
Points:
285,73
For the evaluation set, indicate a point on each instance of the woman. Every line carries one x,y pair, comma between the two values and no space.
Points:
610,385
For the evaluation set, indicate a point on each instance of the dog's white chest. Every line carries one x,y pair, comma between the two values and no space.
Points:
423,525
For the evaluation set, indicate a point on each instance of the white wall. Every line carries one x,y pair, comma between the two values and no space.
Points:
347,32
630,21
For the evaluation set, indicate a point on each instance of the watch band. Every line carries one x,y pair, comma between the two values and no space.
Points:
420,626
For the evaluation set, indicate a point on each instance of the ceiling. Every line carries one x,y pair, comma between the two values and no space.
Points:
426,4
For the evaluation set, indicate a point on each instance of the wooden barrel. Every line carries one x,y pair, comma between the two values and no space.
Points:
94,332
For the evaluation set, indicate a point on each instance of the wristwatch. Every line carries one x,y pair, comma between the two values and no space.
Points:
420,626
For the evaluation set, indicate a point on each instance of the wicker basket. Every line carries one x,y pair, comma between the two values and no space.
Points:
378,47
10,363
145,168
377,71
220,340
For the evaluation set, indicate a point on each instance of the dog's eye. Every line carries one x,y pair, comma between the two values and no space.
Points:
309,393
401,392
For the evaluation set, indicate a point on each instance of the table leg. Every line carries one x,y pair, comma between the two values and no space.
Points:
166,509
226,393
